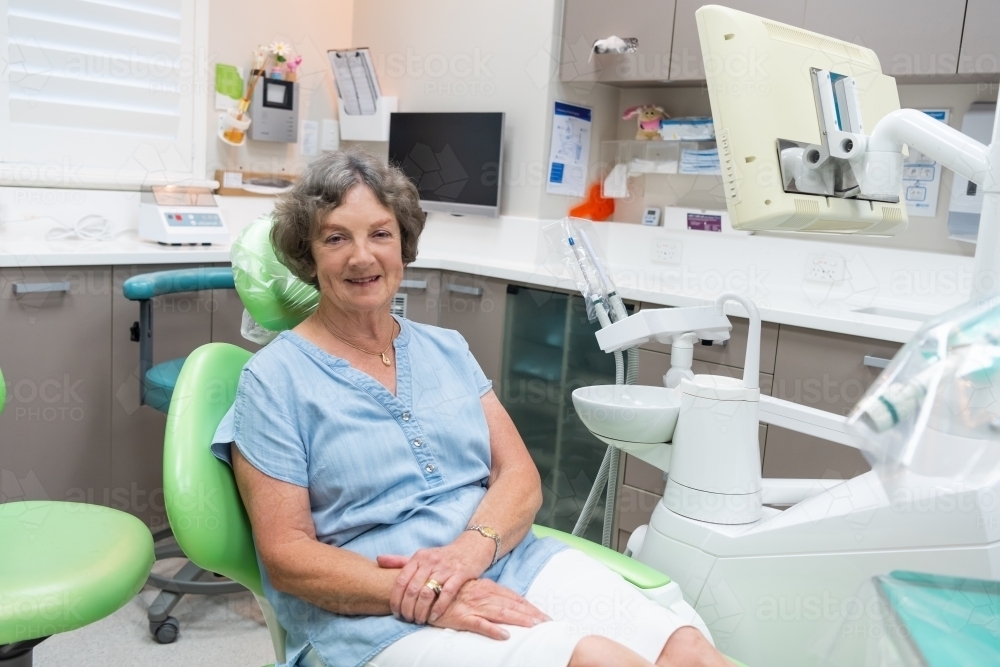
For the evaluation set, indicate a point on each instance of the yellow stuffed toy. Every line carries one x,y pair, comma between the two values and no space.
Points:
649,117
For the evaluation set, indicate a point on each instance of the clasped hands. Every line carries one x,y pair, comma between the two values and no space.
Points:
466,601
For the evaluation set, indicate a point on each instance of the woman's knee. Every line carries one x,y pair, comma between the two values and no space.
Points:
597,651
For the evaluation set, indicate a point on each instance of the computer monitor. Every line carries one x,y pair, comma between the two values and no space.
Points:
765,84
454,159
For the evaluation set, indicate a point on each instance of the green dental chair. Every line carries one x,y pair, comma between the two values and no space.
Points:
156,386
63,566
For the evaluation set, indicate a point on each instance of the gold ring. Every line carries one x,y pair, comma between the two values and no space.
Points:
434,586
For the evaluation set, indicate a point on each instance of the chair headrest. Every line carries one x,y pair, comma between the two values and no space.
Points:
274,297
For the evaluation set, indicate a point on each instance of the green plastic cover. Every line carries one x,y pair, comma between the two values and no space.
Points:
638,574
275,298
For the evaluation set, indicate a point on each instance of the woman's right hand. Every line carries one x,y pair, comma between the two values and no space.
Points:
482,605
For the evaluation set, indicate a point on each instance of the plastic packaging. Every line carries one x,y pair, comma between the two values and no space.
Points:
693,129
935,411
275,298
569,241
255,333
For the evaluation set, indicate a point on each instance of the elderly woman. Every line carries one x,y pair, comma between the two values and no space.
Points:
390,494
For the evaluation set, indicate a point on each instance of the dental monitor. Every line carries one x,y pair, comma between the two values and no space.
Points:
791,110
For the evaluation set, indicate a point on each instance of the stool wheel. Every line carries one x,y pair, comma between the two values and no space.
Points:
166,631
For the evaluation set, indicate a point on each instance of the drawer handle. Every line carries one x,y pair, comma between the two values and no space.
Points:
876,362
462,289
35,288
413,284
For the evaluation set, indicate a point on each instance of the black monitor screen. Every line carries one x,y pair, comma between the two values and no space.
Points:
450,157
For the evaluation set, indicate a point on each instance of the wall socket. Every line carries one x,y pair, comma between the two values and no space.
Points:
825,268
666,251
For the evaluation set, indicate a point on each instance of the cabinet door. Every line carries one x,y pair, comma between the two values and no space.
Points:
585,21
421,289
55,355
826,371
474,306
910,37
181,322
685,58
980,44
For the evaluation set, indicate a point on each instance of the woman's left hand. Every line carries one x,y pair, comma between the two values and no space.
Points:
467,558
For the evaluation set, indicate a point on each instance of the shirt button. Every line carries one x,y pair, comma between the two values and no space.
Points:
418,442
429,468
406,416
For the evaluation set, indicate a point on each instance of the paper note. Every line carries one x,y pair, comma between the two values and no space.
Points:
922,177
309,138
570,150
357,85
232,179
329,135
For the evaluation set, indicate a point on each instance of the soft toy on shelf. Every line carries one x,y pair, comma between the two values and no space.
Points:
649,117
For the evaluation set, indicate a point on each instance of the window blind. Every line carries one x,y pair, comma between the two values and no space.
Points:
102,93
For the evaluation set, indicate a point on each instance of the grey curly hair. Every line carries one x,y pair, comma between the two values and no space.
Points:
322,188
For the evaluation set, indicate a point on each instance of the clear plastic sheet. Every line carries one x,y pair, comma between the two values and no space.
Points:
935,411
571,241
275,299
255,333
910,619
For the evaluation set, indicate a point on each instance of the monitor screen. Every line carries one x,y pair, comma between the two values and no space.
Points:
453,158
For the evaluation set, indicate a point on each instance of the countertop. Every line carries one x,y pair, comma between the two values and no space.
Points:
899,289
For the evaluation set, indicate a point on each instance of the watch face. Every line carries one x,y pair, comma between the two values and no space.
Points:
489,532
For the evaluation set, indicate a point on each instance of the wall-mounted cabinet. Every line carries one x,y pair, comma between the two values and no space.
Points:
912,38
585,21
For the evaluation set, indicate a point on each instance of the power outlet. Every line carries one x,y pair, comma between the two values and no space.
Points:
825,268
666,251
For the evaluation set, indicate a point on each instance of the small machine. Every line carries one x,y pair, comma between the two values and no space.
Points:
176,215
275,111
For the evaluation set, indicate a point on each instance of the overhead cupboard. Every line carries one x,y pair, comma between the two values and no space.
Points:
915,39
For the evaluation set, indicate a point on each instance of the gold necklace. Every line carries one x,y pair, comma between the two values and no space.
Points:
385,357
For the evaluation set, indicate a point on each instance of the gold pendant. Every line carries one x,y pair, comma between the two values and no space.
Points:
385,360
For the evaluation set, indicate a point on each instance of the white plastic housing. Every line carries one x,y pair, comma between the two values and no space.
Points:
715,464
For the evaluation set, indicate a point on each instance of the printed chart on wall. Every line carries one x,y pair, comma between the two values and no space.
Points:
570,150
922,176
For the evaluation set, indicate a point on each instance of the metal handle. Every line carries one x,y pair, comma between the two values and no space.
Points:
876,362
462,289
34,288
413,284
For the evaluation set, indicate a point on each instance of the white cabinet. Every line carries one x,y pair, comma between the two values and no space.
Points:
981,38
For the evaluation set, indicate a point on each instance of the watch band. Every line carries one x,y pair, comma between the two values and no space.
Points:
486,531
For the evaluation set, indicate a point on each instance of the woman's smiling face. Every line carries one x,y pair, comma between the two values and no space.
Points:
358,253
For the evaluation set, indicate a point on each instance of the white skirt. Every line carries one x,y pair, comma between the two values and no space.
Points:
581,596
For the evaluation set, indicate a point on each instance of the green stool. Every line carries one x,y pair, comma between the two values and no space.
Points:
64,566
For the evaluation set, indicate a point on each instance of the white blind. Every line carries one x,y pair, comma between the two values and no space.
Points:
102,92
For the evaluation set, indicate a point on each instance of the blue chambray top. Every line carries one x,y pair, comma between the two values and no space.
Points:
386,474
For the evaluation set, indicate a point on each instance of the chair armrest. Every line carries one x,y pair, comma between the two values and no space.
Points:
149,285
638,574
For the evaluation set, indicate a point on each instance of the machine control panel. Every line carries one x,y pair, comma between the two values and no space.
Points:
177,219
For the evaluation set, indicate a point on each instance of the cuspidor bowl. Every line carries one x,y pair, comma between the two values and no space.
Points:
632,413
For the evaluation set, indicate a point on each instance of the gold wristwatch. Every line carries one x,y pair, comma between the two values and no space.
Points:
486,531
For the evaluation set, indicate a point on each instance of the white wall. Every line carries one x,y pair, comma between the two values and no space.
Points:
450,55
312,27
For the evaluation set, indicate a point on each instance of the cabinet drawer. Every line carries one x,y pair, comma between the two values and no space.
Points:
55,326
734,352
826,371
685,58
585,21
635,507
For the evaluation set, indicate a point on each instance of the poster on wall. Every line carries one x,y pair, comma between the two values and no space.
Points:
922,176
570,150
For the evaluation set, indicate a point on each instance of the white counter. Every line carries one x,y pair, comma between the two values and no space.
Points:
772,271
